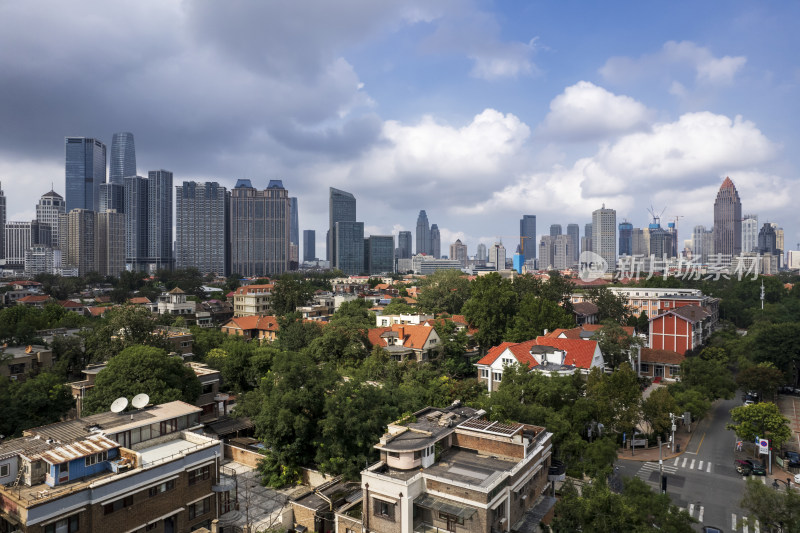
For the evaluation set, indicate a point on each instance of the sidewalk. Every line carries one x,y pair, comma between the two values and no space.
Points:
686,441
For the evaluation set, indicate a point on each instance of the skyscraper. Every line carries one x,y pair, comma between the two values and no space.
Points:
2,224
423,234
749,233
481,254
85,171
341,208
768,240
497,256
458,252
555,230
110,242
81,247
112,196
527,236
604,235
574,233
379,250
436,242
48,210
625,238
546,252
201,227
349,252
702,244
562,252
727,220
309,245
404,245
294,230
17,240
123,157
259,229
586,242
148,221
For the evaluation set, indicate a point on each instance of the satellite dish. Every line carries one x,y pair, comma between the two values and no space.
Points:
119,405
140,400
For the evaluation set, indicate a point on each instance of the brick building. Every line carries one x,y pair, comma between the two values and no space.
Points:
681,329
263,328
17,362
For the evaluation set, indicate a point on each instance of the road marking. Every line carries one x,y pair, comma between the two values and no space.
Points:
691,509
692,466
698,446
744,526
733,521
677,459
700,466
756,528
764,479
708,468
700,516
684,462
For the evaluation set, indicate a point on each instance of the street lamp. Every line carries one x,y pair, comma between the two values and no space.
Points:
661,478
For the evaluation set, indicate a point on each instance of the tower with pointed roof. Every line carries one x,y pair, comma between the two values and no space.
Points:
727,220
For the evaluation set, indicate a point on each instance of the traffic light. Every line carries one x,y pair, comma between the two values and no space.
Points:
663,484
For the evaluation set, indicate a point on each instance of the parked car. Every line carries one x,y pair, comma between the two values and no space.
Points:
711,529
793,459
758,468
797,478
743,466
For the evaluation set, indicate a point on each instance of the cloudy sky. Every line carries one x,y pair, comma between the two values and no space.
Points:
478,112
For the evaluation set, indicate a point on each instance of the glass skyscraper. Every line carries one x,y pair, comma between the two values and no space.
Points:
148,221
380,254
123,157
404,245
309,245
423,234
349,253
85,171
341,208
527,236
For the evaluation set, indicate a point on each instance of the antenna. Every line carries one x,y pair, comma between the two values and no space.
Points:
140,400
119,404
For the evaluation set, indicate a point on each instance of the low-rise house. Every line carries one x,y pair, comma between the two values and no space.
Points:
144,301
142,470
402,342
17,362
263,328
449,469
213,404
35,300
681,329
585,313
181,339
174,303
383,321
663,364
549,355
75,307
315,509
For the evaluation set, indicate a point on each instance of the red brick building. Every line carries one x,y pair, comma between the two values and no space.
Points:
681,329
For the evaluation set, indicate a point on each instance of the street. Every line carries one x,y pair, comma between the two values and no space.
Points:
702,479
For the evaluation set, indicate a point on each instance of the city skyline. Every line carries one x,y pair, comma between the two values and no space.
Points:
394,104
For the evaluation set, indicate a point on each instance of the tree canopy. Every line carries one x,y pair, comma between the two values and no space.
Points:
444,291
762,420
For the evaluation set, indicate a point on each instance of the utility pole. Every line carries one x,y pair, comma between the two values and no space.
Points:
660,466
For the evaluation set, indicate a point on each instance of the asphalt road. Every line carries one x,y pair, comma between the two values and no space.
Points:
703,479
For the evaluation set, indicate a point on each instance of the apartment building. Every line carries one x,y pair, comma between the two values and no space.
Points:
449,469
17,362
252,300
137,471
657,301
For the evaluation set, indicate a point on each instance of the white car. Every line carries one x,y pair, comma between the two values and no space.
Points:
797,479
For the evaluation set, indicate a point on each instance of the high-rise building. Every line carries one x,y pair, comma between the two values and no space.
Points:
202,221
660,242
604,235
309,245
768,240
555,230
640,244
110,242
259,229
702,244
497,256
527,236
625,238
2,224
436,242
574,233
41,259
481,254
778,237
48,211
423,234
458,252
562,252
341,208
727,220
85,171
148,221
18,239
546,252
379,254
81,247
586,241
123,158
294,230
349,252
404,245
112,196
749,233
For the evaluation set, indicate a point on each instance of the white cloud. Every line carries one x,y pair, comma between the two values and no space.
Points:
585,111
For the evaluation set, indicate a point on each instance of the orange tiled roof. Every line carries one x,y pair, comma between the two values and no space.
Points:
259,322
139,300
98,311
492,355
651,355
34,298
414,336
594,327
67,304
254,289
579,352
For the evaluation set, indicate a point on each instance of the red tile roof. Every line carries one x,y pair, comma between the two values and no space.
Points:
69,304
495,352
99,311
34,298
578,352
650,355
254,289
139,300
259,322
414,336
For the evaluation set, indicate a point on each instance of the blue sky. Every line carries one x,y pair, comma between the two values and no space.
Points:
477,112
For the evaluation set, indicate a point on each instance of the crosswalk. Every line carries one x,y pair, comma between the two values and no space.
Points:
692,464
697,511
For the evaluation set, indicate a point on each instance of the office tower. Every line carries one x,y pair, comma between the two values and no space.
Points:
148,221
604,235
2,224
202,221
17,241
423,234
81,247
555,230
702,244
50,207
110,242
639,244
625,238
123,158
404,245
379,252
574,232
259,229
136,198
85,171
778,237
458,252
749,233
341,208
562,252
727,220
112,196
497,255
660,242
481,254
546,252
309,245
349,252
41,259
294,230
586,241
436,242
527,236
767,240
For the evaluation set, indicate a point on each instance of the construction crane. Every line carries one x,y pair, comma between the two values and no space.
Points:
656,217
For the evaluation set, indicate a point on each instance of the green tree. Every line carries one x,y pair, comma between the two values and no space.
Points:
615,397
615,343
656,409
609,305
444,291
490,308
289,293
536,315
710,377
69,355
295,334
775,510
691,400
143,369
398,306
454,348
778,344
762,378
643,323
41,400
762,420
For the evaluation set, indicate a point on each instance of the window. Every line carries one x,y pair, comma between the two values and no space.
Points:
163,487
207,388
394,455
151,527
122,503
497,376
18,368
5,470
383,509
96,458
168,426
200,508
485,373
675,370
198,474
70,524
645,367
